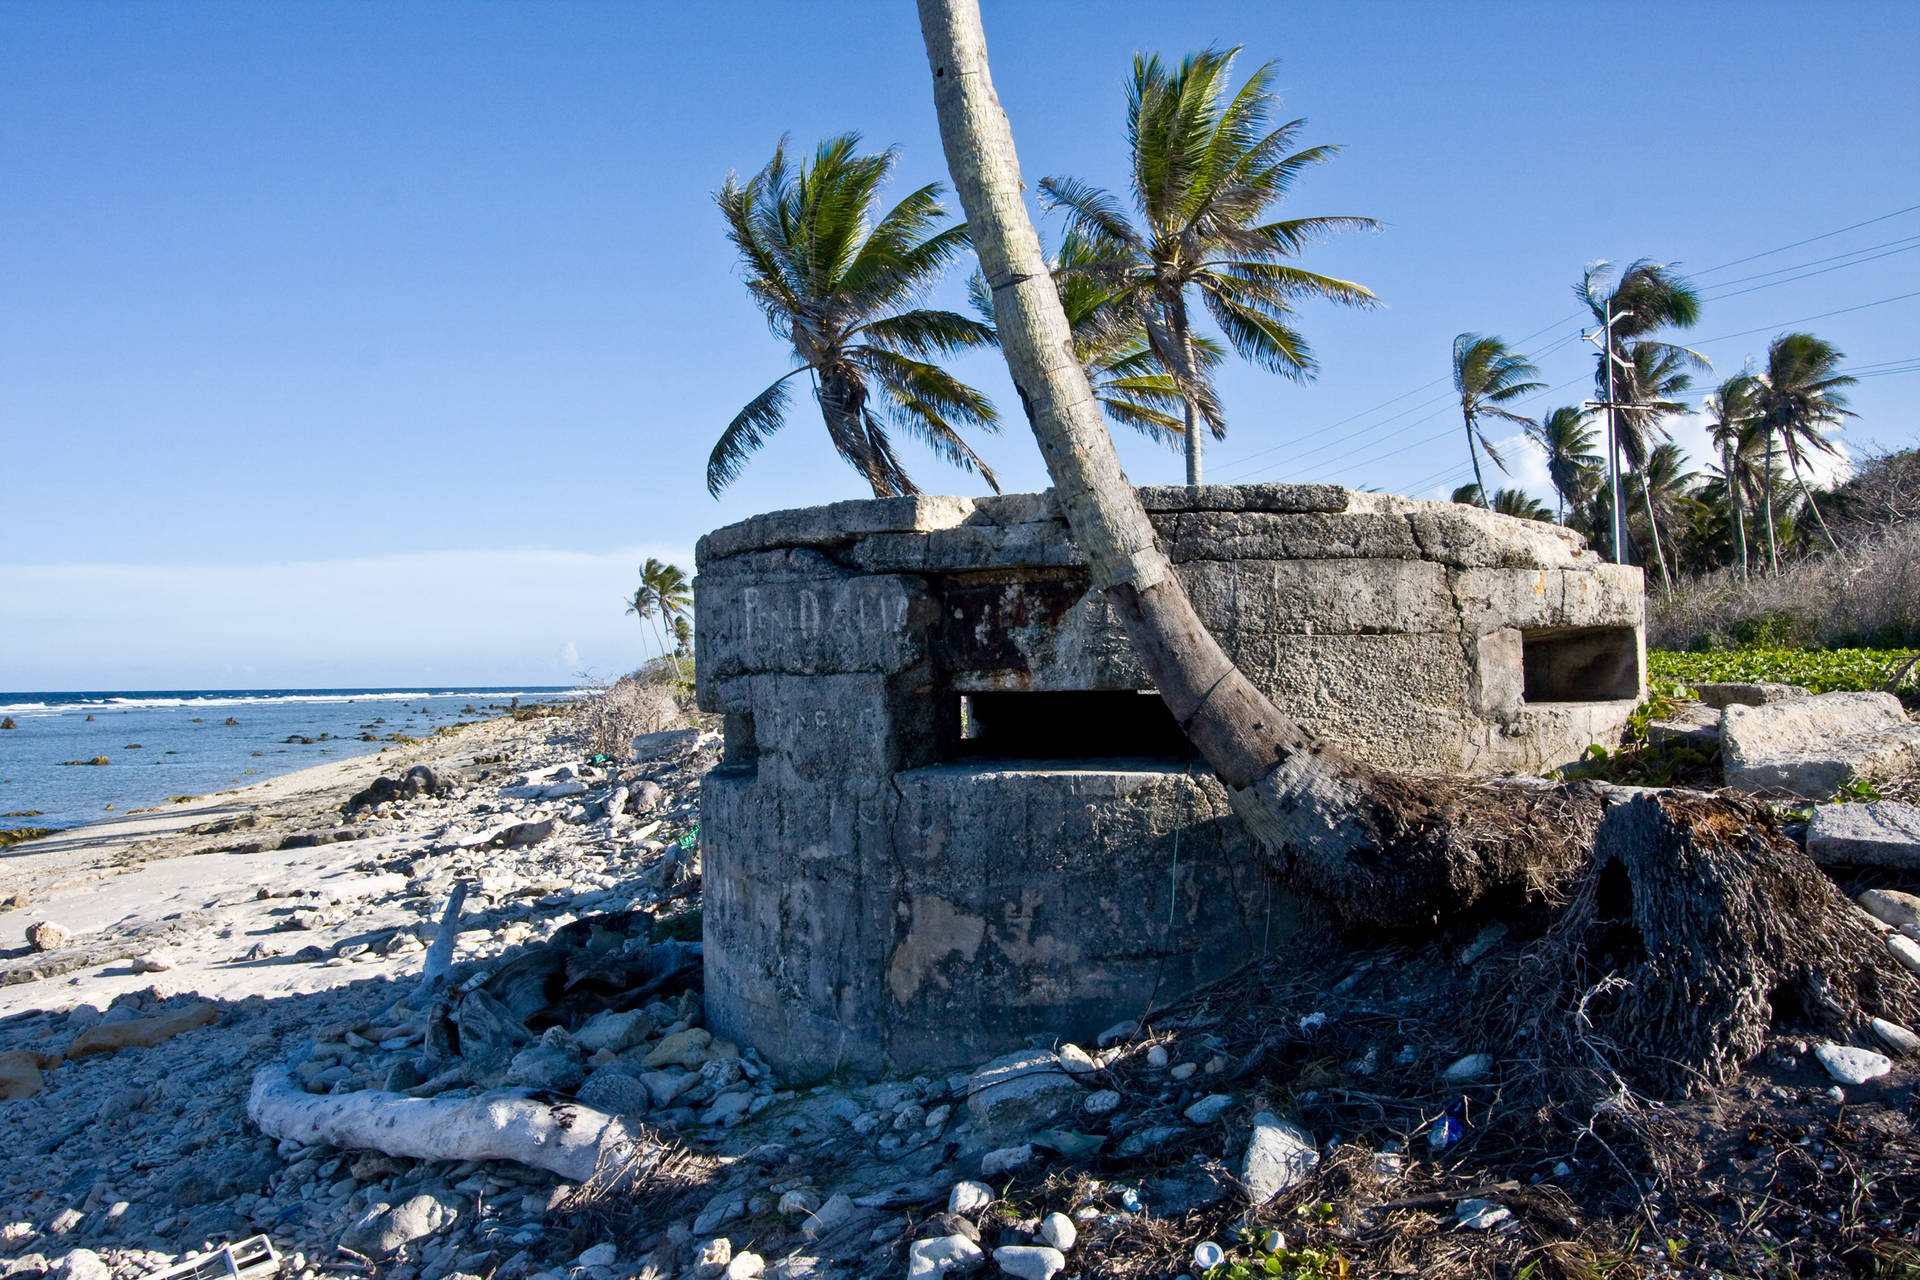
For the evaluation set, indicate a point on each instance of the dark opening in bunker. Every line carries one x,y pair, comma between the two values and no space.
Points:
1069,726
1580,664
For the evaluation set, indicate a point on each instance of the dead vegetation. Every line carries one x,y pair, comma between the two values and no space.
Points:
607,722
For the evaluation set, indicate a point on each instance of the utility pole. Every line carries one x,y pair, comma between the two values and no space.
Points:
1616,533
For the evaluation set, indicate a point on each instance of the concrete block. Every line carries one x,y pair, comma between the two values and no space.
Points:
1814,746
1882,833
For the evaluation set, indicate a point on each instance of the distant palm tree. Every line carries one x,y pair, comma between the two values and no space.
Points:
1507,502
1564,435
1487,376
1646,372
1205,170
1798,398
643,605
1731,425
839,285
1664,485
671,595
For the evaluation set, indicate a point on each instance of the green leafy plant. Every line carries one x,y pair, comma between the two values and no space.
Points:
1821,670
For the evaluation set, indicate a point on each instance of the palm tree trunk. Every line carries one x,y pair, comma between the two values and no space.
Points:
1376,847
1478,482
1773,545
1811,505
1653,527
1739,514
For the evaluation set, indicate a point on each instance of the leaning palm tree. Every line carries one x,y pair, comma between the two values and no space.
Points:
1798,399
1205,170
1731,425
839,285
672,597
1663,486
1487,376
643,605
1507,502
1566,438
1639,369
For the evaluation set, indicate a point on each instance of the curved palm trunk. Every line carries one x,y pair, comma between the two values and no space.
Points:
1773,543
1807,494
839,405
1379,848
1653,529
1478,482
1739,513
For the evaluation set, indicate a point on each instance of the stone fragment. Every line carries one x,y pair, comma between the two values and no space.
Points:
746,1266
1184,1071
1815,746
1479,1215
1018,1093
1474,1066
665,1086
1690,725
1906,951
545,1066
1098,1104
1158,1057
1896,1037
969,1197
524,833
1058,1232
1280,1156
46,935
604,1254
616,1092
142,1033
1759,693
1115,1034
1030,1261
1890,906
681,1049
1852,1066
151,962
1006,1160
836,1212
614,1031
936,1257
1209,1108
796,1202
20,1075
1138,1144
1484,941
81,1264
659,746
1881,833
1076,1060
713,1258
383,1230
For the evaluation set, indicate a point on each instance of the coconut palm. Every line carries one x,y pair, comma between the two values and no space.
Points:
1731,425
1205,170
1507,502
1567,439
671,595
839,284
1487,376
1642,372
643,606
1797,401
1663,487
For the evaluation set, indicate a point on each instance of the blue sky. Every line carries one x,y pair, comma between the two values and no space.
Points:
348,343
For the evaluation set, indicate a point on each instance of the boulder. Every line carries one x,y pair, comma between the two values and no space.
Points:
1882,833
659,746
383,1230
548,1066
1030,1261
1280,1156
1891,907
936,1257
614,1031
1736,693
1814,746
1020,1092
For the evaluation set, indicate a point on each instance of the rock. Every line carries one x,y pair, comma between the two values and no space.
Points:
746,1266
722,1209
1013,1095
546,1066
142,1033
614,1031
1881,833
1158,1057
836,1212
665,1086
1099,1104
1815,746
1890,906
1690,725
48,936
1115,1034
1138,1144
969,1197
1280,1156
1484,941
604,1254
1723,694
1184,1071
1076,1061
936,1257
1030,1261
1006,1160
728,1108
20,1074
383,1230
645,797
151,962
797,1202
1475,1066
712,1261
524,833
616,1092
1852,1066
1209,1108
658,746
81,1264
1058,1232
1896,1037
1906,951
681,1049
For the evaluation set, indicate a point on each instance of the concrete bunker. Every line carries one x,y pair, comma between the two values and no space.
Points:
951,812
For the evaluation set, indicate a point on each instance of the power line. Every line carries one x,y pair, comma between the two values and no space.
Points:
1772,284
1825,235
1762,275
1878,302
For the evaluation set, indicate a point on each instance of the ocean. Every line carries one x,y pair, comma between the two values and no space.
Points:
164,743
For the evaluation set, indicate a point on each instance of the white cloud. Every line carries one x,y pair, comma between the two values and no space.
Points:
449,617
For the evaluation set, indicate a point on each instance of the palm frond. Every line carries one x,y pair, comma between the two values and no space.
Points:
765,414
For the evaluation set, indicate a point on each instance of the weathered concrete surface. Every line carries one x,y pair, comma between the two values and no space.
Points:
1814,746
1882,833
1744,693
893,880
